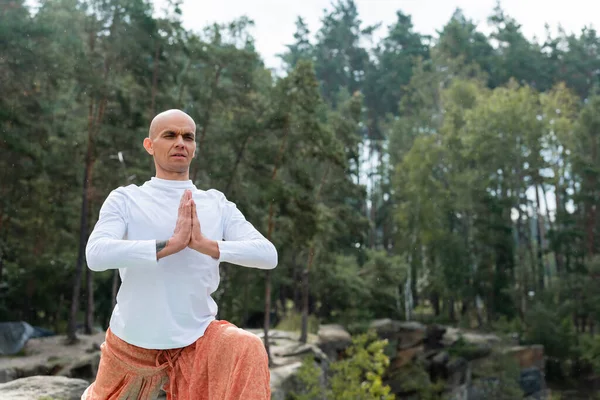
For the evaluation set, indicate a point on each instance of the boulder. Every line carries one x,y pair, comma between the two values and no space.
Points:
532,381
458,393
404,334
36,387
283,380
85,367
299,350
406,356
458,372
333,340
528,356
434,335
453,335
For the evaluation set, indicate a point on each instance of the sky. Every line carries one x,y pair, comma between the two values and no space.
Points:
275,19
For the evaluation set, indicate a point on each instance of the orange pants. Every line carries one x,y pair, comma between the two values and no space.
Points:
227,363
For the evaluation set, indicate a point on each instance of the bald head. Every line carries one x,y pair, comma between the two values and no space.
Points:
173,120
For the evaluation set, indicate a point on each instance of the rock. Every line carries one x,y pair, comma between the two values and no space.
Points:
406,356
441,358
532,381
404,334
301,349
458,372
7,375
543,395
453,335
458,393
434,335
84,368
283,380
333,340
36,387
13,336
528,356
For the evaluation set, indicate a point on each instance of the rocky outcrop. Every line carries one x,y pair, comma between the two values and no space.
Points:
43,387
422,355
333,340
52,356
419,355
287,354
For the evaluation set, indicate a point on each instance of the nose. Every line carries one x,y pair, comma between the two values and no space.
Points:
179,141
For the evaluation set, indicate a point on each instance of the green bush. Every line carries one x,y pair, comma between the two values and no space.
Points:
359,376
551,329
309,377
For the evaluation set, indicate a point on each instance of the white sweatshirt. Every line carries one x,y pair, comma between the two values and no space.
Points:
167,303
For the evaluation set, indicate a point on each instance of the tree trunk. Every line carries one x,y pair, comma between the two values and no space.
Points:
539,233
89,311
72,324
591,207
305,295
558,261
93,127
1,264
238,160
154,80
207,119
478,313
435,303
451,311
271,226
521,240
311,252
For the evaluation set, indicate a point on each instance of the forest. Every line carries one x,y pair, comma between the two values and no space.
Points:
452,178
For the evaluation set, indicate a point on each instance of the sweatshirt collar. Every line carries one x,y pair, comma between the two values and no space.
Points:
170,184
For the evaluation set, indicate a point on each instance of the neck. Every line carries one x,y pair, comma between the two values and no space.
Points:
173,176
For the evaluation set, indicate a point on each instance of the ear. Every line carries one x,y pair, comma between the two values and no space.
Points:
148,146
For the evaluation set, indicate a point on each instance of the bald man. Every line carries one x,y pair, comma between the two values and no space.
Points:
167,238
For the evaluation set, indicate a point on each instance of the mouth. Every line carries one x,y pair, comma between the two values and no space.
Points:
179,156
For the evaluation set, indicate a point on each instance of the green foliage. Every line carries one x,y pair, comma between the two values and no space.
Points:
463,349
554,330
309,379
358,376
413,378
589,350
497,377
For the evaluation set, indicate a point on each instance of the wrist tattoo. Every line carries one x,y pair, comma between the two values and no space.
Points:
161,244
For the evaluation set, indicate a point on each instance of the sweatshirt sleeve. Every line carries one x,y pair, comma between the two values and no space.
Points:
243,244
107,248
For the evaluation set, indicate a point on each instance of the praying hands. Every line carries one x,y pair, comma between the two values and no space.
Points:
187,233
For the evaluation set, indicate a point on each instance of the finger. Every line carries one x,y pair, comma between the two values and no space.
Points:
182,201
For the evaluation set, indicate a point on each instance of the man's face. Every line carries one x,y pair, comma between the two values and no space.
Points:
172,142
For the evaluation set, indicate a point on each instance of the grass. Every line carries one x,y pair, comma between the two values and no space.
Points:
292,322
